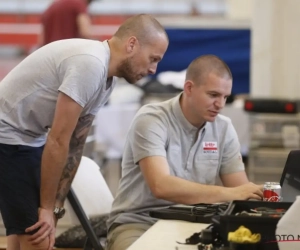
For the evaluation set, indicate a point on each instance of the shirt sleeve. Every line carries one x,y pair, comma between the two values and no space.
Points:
148,136
81,7
231,160
80,77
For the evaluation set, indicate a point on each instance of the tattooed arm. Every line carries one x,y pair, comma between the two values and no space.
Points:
75,152
56,150
54,159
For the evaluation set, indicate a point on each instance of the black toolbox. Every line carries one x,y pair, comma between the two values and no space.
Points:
266,226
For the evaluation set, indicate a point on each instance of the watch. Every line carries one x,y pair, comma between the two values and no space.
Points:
59,212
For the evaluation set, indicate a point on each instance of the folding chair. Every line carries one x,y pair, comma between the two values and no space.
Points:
92,241
89,195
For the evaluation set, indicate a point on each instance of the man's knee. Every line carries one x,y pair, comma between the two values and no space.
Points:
26,244
125,235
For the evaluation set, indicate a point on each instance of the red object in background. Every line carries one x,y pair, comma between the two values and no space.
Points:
248,105
289,107
59,20
23,29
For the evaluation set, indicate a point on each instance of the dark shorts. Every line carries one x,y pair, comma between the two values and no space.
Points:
20,168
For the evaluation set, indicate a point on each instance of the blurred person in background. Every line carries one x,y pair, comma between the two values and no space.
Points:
47,106
65,19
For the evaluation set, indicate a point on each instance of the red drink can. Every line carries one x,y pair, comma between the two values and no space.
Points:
272,191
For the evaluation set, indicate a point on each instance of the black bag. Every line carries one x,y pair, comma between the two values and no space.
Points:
264,225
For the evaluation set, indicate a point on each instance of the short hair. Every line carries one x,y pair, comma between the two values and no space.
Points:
142,26
206,64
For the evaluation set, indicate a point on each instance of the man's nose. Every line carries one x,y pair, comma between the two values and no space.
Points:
152,69
220,103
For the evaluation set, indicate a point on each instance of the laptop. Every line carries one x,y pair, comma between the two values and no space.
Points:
290,178
201,213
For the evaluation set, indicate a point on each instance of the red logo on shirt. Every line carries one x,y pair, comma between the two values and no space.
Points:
210,147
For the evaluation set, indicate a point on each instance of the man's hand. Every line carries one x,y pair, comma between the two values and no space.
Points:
246,192
45,226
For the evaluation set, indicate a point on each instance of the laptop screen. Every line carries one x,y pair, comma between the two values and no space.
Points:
290,178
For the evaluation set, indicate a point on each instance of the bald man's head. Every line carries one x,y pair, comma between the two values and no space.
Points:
144,27
202,66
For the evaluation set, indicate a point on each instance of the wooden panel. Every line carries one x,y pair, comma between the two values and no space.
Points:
23,29
35,18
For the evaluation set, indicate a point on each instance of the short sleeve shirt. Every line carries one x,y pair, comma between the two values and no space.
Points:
198,155
60,20
28,94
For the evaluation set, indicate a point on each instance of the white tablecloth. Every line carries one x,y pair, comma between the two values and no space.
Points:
112,124
240,121
164,234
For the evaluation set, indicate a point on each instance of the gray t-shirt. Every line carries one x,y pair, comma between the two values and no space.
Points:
28,94
197,155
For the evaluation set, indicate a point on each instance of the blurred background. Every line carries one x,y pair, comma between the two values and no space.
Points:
258,39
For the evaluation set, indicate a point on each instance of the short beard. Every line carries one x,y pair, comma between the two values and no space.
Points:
125,70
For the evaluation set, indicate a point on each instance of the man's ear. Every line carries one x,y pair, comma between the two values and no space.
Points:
188,87
131,44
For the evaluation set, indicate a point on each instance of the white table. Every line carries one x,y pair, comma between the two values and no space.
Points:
164,234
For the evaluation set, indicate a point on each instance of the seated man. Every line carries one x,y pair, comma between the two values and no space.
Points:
174,152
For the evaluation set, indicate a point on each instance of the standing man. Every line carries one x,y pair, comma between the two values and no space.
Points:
61,86
174,152
65,19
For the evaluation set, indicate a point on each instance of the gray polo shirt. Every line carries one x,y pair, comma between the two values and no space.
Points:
28,94
197,155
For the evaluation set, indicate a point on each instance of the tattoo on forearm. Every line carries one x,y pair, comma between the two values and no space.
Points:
75,152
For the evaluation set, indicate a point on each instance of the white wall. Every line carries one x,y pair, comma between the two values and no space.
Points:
275,67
